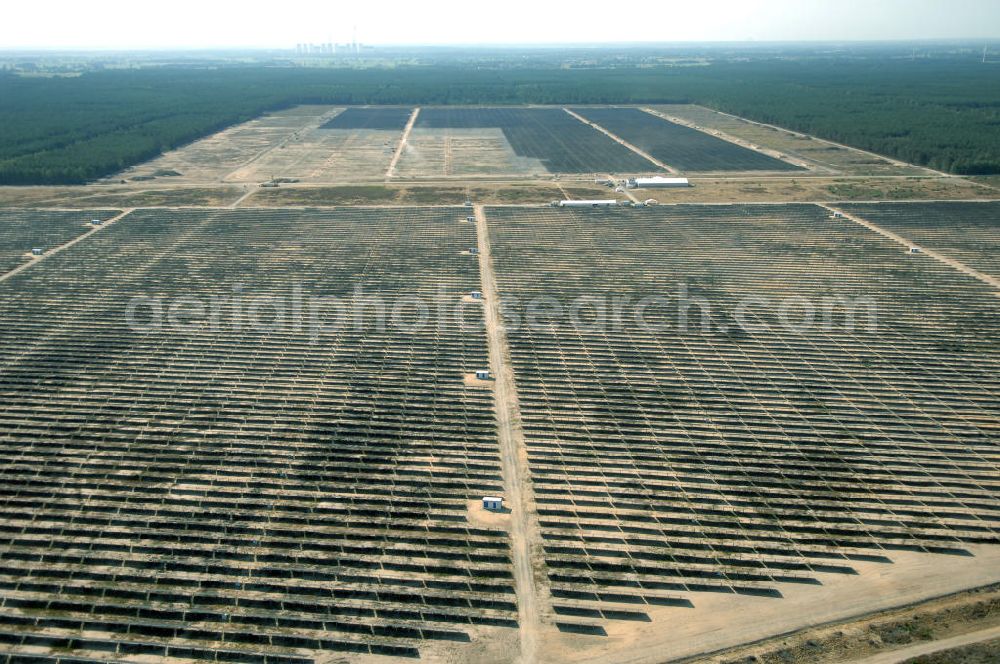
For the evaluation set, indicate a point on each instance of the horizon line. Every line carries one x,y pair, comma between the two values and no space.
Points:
492,45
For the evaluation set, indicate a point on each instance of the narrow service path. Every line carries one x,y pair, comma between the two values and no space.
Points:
950,262
250,191
55,250
391,171
524,533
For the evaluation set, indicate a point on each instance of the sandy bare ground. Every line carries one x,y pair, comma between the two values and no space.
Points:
465,154
884,632
215,157
950,262
324,156
524,532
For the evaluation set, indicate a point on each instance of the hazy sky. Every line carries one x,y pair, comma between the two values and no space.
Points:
282,23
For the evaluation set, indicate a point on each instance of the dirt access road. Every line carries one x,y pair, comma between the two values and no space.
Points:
524,533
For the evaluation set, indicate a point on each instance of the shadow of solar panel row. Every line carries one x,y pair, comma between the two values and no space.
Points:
248,492
22,231
682,147
389,118
669,459
965,231
560,141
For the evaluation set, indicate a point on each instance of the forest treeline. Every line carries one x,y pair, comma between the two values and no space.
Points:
63,130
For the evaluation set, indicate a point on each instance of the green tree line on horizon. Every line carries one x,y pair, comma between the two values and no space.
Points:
69,130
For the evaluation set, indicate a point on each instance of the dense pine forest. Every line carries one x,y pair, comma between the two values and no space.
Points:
943,112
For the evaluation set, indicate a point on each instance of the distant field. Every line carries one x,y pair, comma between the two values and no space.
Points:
290,145
472,152
231,151
370,118
968,232
720,189
559,141
323,155
119,196
681,147
409,194
334,195
818,153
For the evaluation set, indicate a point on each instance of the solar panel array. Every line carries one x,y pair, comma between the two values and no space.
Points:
560,141
272,477
384,117
21,231
966,231
681,147
672,459
253,492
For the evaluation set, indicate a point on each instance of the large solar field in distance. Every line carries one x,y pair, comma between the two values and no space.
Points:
673,462
683,148
390,118
230,492
561,143
336,145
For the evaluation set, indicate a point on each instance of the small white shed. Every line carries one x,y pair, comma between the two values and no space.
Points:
483,374
493,503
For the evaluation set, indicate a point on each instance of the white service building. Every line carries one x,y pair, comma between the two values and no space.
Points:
589,204
657,182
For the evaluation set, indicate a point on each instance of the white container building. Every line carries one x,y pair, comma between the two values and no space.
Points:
658,182
588,204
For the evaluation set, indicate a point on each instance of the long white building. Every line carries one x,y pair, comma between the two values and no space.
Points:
657,182
590,204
